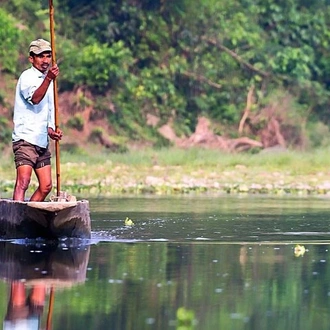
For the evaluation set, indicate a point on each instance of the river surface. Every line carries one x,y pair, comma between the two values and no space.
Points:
182,262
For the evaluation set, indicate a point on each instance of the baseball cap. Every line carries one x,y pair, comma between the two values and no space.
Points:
39,46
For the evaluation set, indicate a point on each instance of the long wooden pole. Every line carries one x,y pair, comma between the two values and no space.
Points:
50,309
57,144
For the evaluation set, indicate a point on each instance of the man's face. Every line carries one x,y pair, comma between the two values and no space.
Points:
41,61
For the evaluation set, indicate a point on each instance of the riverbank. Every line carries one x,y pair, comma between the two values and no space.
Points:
195,171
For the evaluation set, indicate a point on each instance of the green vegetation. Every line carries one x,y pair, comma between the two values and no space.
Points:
255,68
178,171
180,60
76,122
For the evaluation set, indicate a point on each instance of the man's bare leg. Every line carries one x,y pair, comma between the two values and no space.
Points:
23,177
17,294
38,294
45,184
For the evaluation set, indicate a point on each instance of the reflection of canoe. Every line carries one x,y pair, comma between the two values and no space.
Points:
49,264
34,270
44,219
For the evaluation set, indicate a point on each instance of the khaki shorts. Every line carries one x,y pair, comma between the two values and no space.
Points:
26,153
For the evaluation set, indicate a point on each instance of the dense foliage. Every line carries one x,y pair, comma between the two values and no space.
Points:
185,59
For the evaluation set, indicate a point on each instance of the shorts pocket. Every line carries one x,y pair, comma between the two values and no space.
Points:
17,145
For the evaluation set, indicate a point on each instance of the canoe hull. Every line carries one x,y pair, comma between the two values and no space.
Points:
49,220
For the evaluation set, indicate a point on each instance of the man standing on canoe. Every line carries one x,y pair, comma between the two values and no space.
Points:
34,122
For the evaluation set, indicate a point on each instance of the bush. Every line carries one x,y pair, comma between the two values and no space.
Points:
10,36
5,132
98,66
76,122
318,134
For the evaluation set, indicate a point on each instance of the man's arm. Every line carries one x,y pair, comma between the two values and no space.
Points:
40,92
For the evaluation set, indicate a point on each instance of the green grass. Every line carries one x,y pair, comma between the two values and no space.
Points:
173,170
192,158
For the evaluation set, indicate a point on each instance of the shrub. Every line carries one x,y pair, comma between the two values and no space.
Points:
76,122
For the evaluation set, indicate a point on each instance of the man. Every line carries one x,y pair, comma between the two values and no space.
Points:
25,309
34,122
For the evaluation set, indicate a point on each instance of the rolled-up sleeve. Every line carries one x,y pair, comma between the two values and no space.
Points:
27,93
28,85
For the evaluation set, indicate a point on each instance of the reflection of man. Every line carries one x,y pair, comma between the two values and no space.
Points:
23,313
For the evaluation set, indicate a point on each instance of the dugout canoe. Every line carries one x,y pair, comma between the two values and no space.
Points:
49,220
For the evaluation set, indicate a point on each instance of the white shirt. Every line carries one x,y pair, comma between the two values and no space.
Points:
31,121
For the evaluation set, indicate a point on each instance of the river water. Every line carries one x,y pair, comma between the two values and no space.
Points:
180,262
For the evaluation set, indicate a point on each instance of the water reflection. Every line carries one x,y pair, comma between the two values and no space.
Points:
34,273
213,263
186,263
162,285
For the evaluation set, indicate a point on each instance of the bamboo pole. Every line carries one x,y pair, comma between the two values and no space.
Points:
50,309
57,144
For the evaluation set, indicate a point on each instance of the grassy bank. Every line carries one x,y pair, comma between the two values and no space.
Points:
176,171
